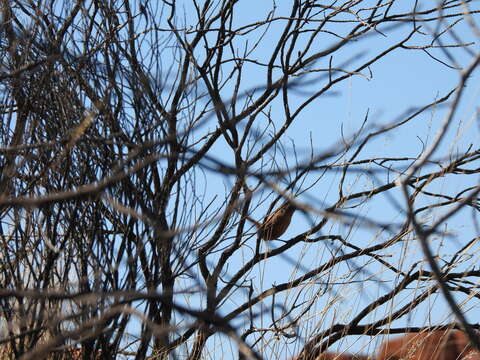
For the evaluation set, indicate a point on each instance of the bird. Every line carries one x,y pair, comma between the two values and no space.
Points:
277,223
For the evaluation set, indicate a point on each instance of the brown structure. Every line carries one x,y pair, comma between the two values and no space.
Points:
277,223
471,354
428,345
433,345
341,356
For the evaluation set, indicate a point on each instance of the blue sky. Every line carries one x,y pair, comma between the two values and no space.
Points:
398,83
388,90
392,87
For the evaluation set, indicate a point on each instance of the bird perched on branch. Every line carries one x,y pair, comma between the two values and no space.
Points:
276,223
